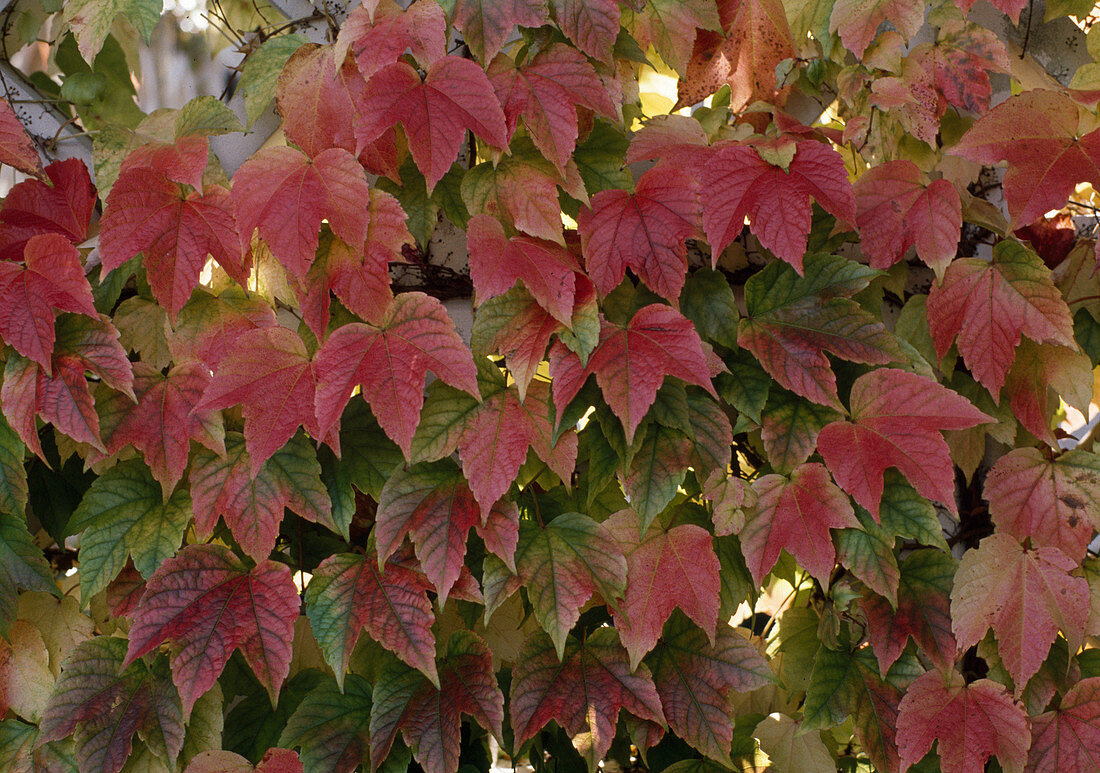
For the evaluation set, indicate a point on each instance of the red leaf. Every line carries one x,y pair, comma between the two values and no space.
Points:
923,611
106,701
32,207
896,422
252,501
500,532
208,604
739,183
755,40
182,161
496,438
1036,132
268,372
971,721
435,507
389,362
380,35
858,21
545,92
1025,595
454,96
795,515
631,363
896,210
165,420
1068,738
274,761
16,147
516,326
644,231
1054,503
670,26
497,263
52,278
666,568
593,25
359,277
148,213
695,678
584,693
487,24
989,304
317,97
429,716
1010,8
286,195
348,594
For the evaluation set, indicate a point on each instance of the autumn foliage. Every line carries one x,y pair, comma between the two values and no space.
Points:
755,450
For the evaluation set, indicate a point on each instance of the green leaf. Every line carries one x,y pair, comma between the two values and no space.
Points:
367,456
22,566
563,564
124,513
206,116
868,552
656,471
91,20
907,515
260,72
599,159
13,475
252,726
20,753
790,428
330,727
421,209
707,300
745,386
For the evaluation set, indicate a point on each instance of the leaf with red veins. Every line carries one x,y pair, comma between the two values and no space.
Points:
666,569
496,438
286,195
739,183
1055,503
429,716
632,361
93,343
971,721
348,594
1025,595
670,27
500,532
961,60
545,92
1010,8
695,676
32,207
317,97
923,611
583,687
515,325
182,161
792,322
1068,738
51,279
105,701
380,35
165,421
1041,376
644,231
389,362
911,99
16,146
858,21
593,25
66,402
497,263
989,304
436,112
433,505
176,231
795,514
487,24
563,565
895,210
209,325
897,418
252,504
20,398
755,38
208,604
1037,134
268,372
